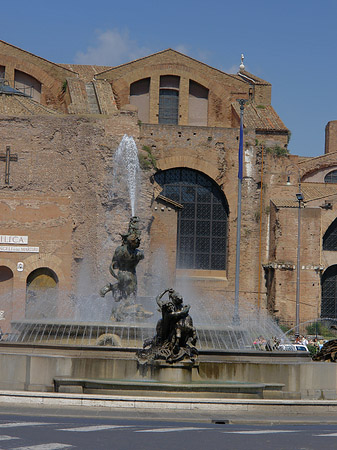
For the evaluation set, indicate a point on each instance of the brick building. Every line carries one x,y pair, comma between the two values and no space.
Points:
60,126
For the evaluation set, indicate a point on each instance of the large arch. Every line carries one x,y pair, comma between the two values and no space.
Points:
203,221
329,292
189,161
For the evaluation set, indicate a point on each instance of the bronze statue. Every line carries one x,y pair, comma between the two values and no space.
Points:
123,269
176,336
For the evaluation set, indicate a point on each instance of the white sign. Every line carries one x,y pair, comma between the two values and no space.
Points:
4,239
9,248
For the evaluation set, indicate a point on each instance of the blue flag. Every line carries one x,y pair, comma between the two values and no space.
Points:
240,175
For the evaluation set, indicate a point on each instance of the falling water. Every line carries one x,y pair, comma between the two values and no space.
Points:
126,168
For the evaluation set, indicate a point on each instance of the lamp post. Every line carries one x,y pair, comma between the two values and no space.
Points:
236,316
299,197
298,268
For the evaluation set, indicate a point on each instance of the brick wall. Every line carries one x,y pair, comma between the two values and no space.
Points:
223,89
331,137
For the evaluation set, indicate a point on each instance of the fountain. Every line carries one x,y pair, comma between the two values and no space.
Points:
209,357
125,261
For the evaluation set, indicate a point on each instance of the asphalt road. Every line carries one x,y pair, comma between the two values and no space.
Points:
34,430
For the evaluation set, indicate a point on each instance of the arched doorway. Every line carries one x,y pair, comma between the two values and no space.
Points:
203,221
6,298
329,292
6,280
41,294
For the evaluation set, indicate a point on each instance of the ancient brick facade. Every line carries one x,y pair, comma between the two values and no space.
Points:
59,192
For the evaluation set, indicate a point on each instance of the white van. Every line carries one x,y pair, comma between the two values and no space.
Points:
293,348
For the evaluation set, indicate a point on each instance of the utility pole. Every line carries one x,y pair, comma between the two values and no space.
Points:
236,316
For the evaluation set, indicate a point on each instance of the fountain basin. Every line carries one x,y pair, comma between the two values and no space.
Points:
34,367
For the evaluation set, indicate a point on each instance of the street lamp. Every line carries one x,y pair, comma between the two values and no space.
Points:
300,198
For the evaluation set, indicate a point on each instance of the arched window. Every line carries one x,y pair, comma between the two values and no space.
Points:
41,294
331,177
169,99
329,293
27,84
197,104
140,97
202,223
330,237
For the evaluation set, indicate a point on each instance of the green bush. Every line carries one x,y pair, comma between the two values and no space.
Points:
277,151
322,329
313,349
314,328
284,328
147,161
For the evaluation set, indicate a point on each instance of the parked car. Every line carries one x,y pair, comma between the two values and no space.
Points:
293,348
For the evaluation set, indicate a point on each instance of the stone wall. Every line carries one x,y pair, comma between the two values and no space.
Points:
60,195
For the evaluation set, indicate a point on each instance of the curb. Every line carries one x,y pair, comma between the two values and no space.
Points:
164,403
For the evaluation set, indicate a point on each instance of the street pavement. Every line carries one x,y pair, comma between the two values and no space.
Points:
42,432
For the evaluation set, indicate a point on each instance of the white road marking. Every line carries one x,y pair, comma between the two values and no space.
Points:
261,431
168,430
52,446
94,428
3,437
22,424
328,434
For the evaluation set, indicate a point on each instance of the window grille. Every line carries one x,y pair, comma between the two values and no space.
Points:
331,177
202,223
168,106
329,293
330,237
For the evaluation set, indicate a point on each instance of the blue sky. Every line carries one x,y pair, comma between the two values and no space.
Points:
290,43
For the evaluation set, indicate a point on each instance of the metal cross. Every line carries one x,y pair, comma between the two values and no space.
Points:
8,158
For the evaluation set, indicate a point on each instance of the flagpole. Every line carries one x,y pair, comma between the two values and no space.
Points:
236,316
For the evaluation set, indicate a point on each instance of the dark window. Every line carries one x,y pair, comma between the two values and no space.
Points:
202,223
168,106
329,293
330,237
331,177
169,99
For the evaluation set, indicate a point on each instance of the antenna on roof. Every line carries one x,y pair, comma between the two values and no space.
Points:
242,66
